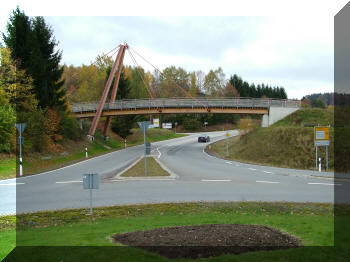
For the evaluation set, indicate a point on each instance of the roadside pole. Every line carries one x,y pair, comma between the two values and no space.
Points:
175,127
20,127
86,152
319,165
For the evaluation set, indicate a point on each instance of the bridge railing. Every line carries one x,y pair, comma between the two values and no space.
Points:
129,104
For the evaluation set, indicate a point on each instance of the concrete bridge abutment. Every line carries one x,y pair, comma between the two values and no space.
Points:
276,114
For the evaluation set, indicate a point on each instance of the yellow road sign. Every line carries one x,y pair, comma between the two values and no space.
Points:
227,134
321,133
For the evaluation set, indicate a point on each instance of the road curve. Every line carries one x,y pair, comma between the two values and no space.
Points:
200,177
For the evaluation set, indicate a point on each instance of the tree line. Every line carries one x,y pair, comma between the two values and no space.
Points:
35,88
86,83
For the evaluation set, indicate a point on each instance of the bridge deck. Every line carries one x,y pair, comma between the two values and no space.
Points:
183,105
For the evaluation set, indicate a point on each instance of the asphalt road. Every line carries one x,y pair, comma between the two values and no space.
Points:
200,177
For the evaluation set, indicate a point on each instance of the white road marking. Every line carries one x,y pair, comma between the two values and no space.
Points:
228,163
142,179
268,182
68,182
325,184
12,184
237,165
251,168
268,172
160,154
216,180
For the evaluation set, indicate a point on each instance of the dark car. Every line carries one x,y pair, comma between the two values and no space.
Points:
203,138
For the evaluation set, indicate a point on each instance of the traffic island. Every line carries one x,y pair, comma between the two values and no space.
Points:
203,241
155,170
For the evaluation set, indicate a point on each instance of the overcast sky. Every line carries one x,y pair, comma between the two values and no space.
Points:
294,51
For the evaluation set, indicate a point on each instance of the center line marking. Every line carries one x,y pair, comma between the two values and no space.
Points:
216,180
67,182
252,168
325,184
229,163
268,172
269,182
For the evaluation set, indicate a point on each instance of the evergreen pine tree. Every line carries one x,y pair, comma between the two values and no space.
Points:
32,43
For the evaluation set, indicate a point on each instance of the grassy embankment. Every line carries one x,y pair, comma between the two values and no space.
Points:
75,152
312,223
287,143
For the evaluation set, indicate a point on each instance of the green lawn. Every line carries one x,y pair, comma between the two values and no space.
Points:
312,223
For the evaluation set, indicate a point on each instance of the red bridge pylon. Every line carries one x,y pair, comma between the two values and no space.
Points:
116,69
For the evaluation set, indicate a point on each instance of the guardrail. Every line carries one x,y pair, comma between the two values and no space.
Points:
159,103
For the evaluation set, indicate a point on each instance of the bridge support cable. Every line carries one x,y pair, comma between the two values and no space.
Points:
144,82
171,80
118,63
114,90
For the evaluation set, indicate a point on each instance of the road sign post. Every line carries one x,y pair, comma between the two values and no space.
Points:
90,181
316,156
20,127
175,127
227,136
327,158
144,125
321,138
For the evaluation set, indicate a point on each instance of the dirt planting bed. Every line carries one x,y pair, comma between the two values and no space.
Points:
207,240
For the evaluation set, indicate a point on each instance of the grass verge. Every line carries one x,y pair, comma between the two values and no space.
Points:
138,170
312,223
7,167
75,152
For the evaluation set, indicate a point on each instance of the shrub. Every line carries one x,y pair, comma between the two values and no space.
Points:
69,128
191,124
7,129
122,125
35,138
